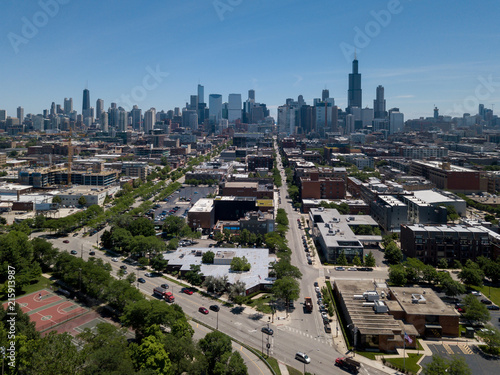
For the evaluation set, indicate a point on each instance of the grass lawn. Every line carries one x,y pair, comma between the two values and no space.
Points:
486,290
261,304
293,371
40,284
274,364
369,355
410,363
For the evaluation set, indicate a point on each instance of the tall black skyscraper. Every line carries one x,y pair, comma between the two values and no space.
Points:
86,101
354,92
379,103
325,95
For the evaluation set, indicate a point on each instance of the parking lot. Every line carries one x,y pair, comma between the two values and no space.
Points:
181,201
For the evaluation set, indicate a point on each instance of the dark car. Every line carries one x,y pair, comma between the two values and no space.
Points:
267,331
493,307
164,286
74,252
203,310
123,267
92,252
215,308
141,280
316,283
486,301
66,241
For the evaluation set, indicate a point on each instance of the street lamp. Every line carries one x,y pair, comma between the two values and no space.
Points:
217,326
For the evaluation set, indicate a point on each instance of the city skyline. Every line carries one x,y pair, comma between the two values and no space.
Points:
280,52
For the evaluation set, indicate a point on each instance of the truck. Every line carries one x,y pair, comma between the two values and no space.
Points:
169,297
308,305
348,364
159,291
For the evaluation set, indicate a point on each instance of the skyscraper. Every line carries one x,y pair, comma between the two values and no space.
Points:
99,108
68,106
136,118
201,94
86,101
215,107
379,103
149,120
325,94
251,95
20,114
354,97
234,107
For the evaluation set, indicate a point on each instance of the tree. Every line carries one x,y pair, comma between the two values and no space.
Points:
56,199
286,288
491,338
443,263
142,226
151,355
208,257
356,261
237,290
214,346
393,253
451,213
342,260
82,201
397,274
370,260
451,287
471,274
230,364
284,268
475,310
240,264
414,268
218,236
173,225
429,274
441,366
158,263
194,276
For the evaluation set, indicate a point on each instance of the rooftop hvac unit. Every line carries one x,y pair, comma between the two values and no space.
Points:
358,296
371,296
368,304
380,307
418,298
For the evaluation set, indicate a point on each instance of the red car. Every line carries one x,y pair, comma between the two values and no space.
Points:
66,241
203,310
187,291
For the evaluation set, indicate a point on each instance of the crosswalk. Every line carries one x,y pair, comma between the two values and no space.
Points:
466,349
305,334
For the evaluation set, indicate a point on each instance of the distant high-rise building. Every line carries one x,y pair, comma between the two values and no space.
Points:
234,107
193,105
354,95
20,114
104,122
53,109
325,94
215,107
122,120
3,115
86,100
436,113
379,103
251,95
136,118
149,120
481,110
396,121
201,94
68,106
99,108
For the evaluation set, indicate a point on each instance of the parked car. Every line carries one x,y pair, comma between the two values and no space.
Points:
267,331
316,284
476,293
114,259
339,269
92,252
486,301
493,307
148,274
66,241
74,252
141,280
215,308
203,310
352,269
123,267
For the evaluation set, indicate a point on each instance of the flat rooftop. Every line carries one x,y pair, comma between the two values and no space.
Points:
432,197
203,205
421,301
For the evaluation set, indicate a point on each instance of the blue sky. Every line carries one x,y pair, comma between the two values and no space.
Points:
424,53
